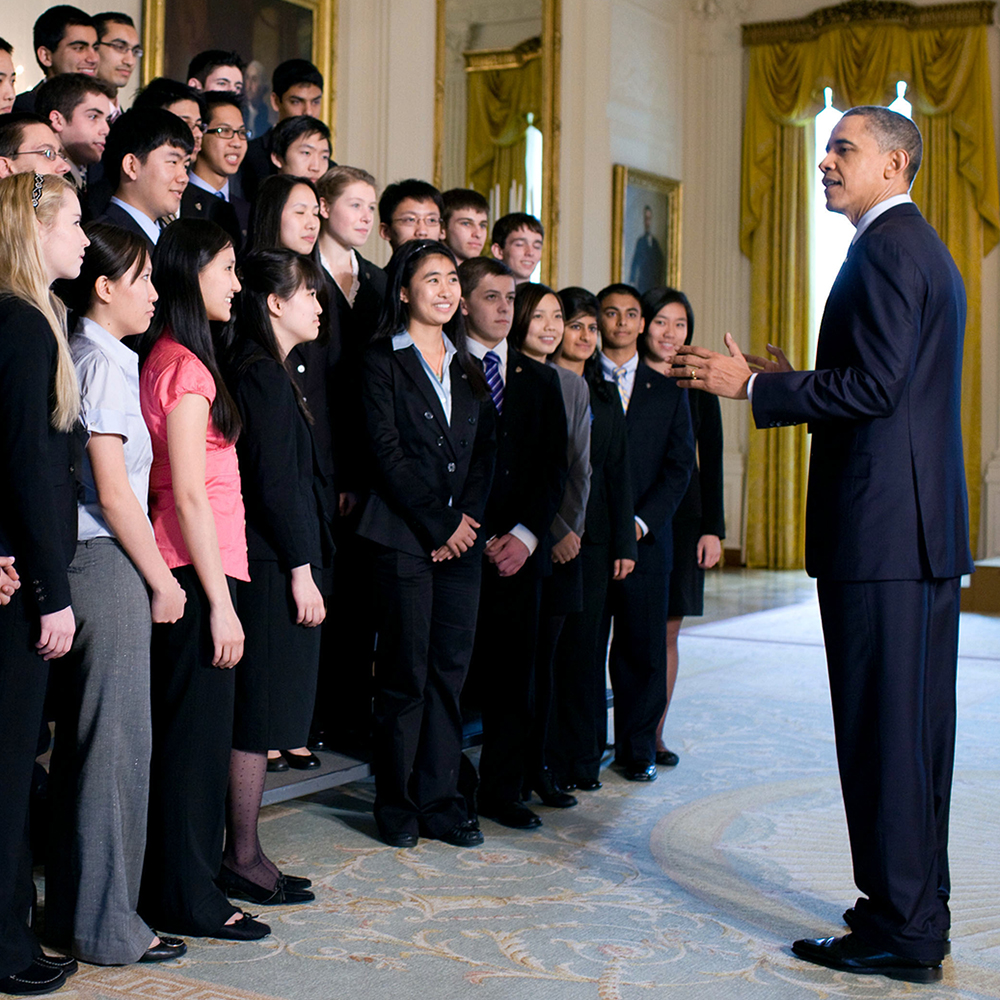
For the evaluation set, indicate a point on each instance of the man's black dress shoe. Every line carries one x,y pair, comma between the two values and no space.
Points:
516,815
33,981
235,886
66,964
168,948
318,740
401,839
296,881
849,920
846,954
464,834
276,765
667,758
640,770
587,784
247,928
301,761
550,793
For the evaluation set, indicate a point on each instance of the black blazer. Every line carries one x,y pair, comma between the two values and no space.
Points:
256,166
661,457
426,472
284,516
38,518
610,508
531,451
115,215
703,503
232,215
887,497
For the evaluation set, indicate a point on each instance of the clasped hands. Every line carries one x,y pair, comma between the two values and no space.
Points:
506,552
700,368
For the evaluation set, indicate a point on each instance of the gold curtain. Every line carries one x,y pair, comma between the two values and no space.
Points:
947,73
500,101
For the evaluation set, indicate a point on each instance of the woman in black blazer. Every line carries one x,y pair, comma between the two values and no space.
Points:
430,431
282,603
40,242
699,524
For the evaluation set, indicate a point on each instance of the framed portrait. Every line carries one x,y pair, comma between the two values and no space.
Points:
264,32
646,229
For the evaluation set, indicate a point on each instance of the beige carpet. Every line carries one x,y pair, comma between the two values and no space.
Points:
690,887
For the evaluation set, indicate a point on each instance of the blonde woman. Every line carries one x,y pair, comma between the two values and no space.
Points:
41,241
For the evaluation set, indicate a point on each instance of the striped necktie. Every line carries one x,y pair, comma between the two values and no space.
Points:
491,368
621,380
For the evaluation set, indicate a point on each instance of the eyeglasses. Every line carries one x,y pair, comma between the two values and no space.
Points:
48,152
227,132
122,47
412,220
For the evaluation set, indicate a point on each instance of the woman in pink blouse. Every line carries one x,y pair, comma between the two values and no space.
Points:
198,519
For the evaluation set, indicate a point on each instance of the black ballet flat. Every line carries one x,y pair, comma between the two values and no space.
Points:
295,881
168,948
237,887
276,764
247,928
301,761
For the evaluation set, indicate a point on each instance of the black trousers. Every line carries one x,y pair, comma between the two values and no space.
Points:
426,629
504,665
638,658
579,727
23,678
192,704
892,653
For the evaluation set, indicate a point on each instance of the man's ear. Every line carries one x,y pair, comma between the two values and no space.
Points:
274,102
6,167
276,161
463,306
44,56
384,231
130,166
56,120
324,209
897,163
497,251
194,83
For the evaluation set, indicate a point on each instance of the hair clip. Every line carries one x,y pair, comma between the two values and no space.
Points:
36,191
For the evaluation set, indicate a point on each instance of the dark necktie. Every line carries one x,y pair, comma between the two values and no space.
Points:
491,368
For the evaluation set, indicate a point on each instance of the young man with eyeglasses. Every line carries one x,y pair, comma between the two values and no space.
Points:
119,52
208,194
65,40
29,144
410,210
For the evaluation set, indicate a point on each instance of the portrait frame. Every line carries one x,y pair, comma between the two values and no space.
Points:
632,191
323,15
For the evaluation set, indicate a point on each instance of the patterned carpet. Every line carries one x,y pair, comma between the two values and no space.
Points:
693,886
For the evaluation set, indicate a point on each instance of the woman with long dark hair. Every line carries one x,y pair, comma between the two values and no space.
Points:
699,524
41,241
282,605
430,430
99,774
198,518
285,214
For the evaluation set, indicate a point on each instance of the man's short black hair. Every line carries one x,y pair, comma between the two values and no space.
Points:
619,288
294,71
204,62
5,46
104,21
161,92
12,128
212,99
66,92
50,28
472,271
458,198
289,129
140,131
412,188
511,223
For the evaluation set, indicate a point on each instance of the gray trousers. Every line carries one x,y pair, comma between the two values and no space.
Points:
99,776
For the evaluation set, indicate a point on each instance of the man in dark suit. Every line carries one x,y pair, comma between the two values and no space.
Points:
145,163
649,266
661,459
887,535
223,147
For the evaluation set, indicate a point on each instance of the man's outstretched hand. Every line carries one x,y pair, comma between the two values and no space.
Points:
700,368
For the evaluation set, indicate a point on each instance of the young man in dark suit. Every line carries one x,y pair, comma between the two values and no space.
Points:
661,459
528,483
145,162
223,147
887,535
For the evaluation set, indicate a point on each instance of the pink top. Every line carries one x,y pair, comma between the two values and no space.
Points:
170,372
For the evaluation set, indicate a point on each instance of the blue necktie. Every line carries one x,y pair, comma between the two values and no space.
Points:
491,368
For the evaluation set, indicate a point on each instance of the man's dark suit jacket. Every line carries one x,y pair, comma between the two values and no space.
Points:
531,451
420,460
661,456
887,497
26,101
115,215
702,506
232,215
257,165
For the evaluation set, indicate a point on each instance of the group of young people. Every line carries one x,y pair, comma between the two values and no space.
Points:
261,496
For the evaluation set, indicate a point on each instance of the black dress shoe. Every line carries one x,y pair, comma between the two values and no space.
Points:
667,758
464,834
296,881
318,741
276,764
847,954
235,886
549,791
516,815
66,964
640,770
402,839
301,761
33,981
588,784
247,928
168,948
849,920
